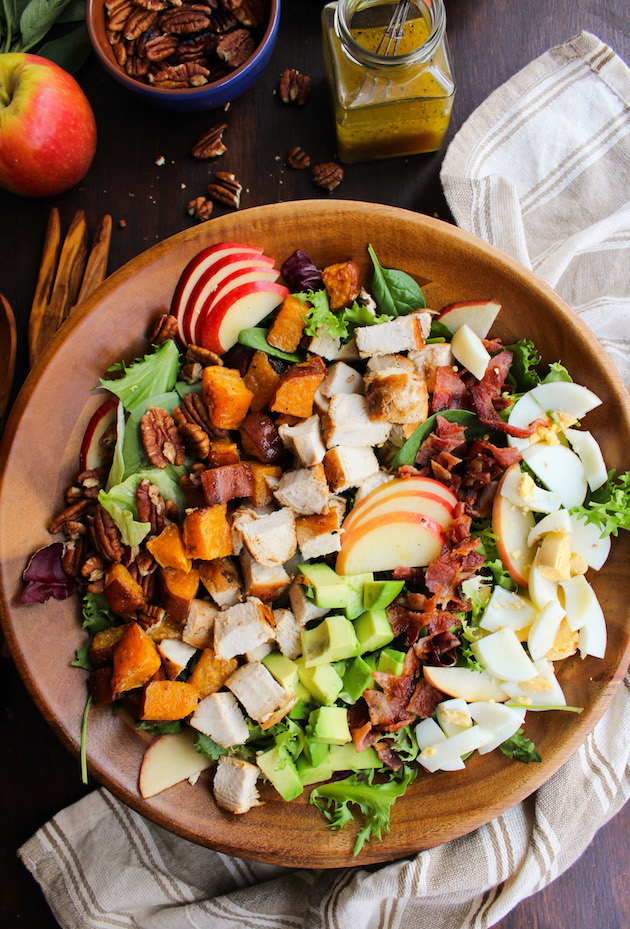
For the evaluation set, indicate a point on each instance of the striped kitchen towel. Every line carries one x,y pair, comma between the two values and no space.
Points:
541,170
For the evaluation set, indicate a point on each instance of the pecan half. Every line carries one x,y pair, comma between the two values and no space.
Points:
136,66
193,18
93,569
250,13
189,73
105,537
210,145
194,408
159,47
74,512
150,615
195,439
294,87
203,356
120,52
161,439
91,482
150,506
195,47
327,175
164,328
236,47
200,208
157,5
138,22
226,189
72,557
298,159
118,15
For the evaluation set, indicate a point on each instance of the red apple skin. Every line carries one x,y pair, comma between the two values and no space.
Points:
104,415
47,127
210,322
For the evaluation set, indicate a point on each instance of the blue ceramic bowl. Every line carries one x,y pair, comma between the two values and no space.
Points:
206,97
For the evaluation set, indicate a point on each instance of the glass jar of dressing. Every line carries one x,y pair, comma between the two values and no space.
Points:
394,98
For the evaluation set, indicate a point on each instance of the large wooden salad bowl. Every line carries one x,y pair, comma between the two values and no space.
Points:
39,460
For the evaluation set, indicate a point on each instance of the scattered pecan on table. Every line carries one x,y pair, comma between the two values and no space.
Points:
327,175
294,87
200,208
298,159
226,189
210,144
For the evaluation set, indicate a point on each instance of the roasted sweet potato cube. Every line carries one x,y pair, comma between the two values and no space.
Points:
288,325
100,686
136,659
262,379
296,390
262,494
165,701
223,453
342,283
259,437
207,533
122,593
178,589
226,396
103,645
168,549
227,483
211,672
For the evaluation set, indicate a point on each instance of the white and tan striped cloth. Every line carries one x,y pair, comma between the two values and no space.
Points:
541,170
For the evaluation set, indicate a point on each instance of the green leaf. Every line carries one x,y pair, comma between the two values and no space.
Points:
154,374
440,330
609,506
520,748
37,18
396,293
160,728
69,51
407,454
97,615
82,658
120,501
320,317
256,338
206,746
557,372
493,564
523,374
83,751
374,800
117,470
73,13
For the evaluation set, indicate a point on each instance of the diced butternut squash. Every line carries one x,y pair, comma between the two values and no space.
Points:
226,396
103,645
262,493
342,283
168,549
262,379
288,325
207,533
165,701
136,659
223,453
211,672
178,589
296,391
123,594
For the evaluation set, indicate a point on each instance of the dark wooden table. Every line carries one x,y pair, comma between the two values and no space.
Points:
490,40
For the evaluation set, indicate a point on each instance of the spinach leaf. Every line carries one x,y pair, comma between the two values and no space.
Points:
69,51
440,331
396,293
37,18
159,728
407,454
256,338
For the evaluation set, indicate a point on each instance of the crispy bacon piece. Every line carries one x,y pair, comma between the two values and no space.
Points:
424,699
364,736
459,528
450,569
385,751
485,463
443,444
488,389
450,391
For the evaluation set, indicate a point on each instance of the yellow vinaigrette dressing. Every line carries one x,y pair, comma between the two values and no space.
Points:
388,105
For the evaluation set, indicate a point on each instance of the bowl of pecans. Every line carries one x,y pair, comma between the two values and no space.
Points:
184,54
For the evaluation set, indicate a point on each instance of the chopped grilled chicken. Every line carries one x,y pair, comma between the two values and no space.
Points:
304,440
341,379
288,633
427,360
324,345
304,609
397,396
304,490
266,583
264,699
348,422
175,655
271,539
319,535
349,466
220,717
241,628
406,333
381,362
234,785
198,631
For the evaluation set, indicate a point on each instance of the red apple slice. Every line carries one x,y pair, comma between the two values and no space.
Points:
465,683
512,525
242,276
390,541
478,316
204,290
424,485
168,760
412,502
243,307
196,267
92,453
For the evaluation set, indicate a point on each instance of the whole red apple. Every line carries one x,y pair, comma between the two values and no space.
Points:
47,127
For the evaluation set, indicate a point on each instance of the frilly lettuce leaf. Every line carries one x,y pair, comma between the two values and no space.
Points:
120,501
156,373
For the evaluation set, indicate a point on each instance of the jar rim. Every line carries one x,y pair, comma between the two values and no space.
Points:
424,52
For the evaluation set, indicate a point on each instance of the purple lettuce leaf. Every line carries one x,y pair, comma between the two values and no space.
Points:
45,577
301,274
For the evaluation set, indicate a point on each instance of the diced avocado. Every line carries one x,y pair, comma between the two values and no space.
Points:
283,669
315,751
322,681
379,594
371,660
329,724
332,639
356,584
300,710
391,661
340,666
314,774
279,768
329,590
373,630
357,678
347,758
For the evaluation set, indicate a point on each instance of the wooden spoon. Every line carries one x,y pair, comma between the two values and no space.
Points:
8,344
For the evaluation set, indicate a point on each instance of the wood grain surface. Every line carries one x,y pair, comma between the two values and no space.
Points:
490,40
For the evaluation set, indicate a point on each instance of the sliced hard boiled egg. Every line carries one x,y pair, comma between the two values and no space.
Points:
541,589
470,351
544,629
554,556
428,733
586,542
504,721
503,656
519,488
524,412
587,449
543,690
566,397
507,610
579,601
453,716
447,755
560,470
553,522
